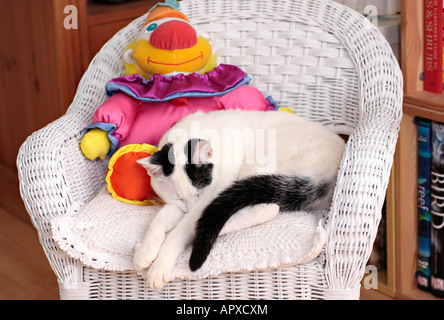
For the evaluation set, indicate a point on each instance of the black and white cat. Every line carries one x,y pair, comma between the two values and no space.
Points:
211,166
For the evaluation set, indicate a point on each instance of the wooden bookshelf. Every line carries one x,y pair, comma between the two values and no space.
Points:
417,103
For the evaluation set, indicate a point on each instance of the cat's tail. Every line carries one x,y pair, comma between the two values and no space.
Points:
290,193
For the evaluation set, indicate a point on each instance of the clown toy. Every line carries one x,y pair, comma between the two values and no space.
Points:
171,72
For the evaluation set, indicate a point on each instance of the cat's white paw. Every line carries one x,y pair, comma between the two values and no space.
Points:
144,255
160,273
146,252
141,259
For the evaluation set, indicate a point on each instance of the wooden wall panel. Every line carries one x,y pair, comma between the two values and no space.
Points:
27,71
73,54
40,65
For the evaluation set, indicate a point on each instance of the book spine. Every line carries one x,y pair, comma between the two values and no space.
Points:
437,209
424,203
433,42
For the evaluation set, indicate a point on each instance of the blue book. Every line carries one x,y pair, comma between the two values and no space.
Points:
424,203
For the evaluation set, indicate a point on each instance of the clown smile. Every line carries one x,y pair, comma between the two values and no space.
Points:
149,61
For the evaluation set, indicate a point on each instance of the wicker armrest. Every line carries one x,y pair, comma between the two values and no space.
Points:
365,169
48,162
357,203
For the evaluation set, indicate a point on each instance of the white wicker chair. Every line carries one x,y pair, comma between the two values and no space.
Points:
323,60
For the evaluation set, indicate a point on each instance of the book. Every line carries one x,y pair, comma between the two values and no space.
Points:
424,202
433,46
437,211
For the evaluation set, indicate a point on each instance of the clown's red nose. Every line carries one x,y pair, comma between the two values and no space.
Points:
173,35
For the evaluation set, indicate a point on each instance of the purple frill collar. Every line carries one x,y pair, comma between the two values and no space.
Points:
217,82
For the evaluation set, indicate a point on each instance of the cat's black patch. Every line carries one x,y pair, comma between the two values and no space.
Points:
164,158
200,175
290,193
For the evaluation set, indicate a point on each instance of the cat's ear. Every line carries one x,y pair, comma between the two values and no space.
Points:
151,169
203,152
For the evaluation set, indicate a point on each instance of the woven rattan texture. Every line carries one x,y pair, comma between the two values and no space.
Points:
325,61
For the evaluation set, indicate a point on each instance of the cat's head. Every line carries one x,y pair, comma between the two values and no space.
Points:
180,171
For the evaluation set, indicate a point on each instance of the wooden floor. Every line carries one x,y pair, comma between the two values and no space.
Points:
25,273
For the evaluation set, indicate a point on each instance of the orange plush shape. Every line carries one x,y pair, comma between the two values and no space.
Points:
127,180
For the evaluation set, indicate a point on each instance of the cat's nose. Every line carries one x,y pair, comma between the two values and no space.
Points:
173,35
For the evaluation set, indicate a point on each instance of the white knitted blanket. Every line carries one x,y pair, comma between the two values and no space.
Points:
103,232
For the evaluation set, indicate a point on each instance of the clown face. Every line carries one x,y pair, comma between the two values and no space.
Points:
169,46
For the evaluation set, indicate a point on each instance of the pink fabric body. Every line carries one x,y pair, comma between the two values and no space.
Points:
146,122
